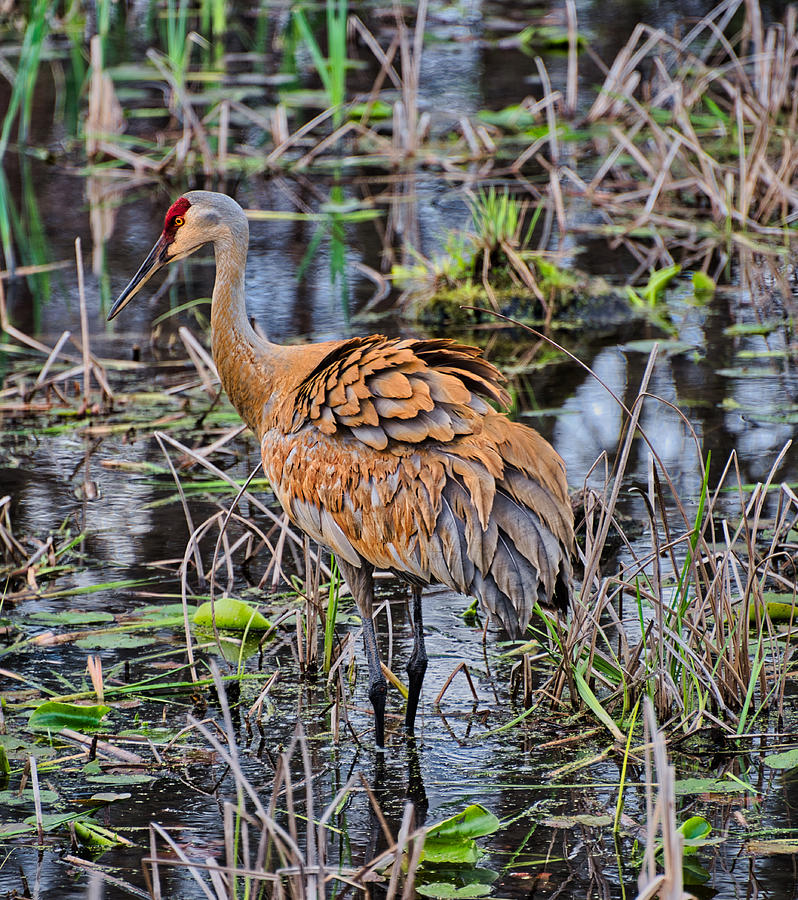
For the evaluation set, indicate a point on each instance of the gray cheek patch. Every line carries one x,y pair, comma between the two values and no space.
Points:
209,218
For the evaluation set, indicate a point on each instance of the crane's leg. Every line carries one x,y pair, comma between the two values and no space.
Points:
362,586
417,665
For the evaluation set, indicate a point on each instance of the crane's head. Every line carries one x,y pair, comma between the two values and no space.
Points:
196,218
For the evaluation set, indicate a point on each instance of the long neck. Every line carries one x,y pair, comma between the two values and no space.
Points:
242,358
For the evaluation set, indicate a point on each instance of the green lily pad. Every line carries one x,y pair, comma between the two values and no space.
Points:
452,841
670,347
115,641
444,891
52,715
703,285
14,829
453,851
156,612
137,778
708,786
695,831
581,819
231,615
51,820
786,760
108,797
693,872
474,821
780,607
745,328
14,798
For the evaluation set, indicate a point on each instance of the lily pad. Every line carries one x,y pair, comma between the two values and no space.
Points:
52,715
137,778
231,615
786,760
108,797
51,820
745,328
780,607
672,347
695,831
14,829
773,847
581,819
708,786
703,285
452,841
115,641
444,890
14,798
474,821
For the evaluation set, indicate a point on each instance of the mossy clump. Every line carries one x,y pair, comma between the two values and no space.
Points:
569,294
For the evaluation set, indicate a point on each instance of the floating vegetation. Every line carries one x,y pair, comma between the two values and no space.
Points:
699,124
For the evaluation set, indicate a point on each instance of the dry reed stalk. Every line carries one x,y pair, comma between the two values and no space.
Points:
209,449
660,816
192,126
202,360
13,551
105,117
48,363
283,146
37,797
84,328
325,143
405,830
223,135
408,126
95,666
24,271
260,838
572,76
102,748
11,331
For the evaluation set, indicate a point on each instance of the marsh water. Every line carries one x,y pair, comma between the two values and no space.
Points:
735,383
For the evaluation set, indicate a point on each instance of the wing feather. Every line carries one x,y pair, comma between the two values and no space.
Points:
405,391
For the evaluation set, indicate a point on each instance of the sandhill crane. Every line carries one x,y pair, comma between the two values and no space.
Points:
386,452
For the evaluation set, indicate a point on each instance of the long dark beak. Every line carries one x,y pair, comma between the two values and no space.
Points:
156,260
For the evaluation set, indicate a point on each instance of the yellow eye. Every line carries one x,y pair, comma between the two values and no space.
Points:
178,220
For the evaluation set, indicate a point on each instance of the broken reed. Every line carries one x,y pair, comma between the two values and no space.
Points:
706,136
701,125
685,621
280,846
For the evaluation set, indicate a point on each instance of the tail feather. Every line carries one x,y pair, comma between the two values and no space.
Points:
519,559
